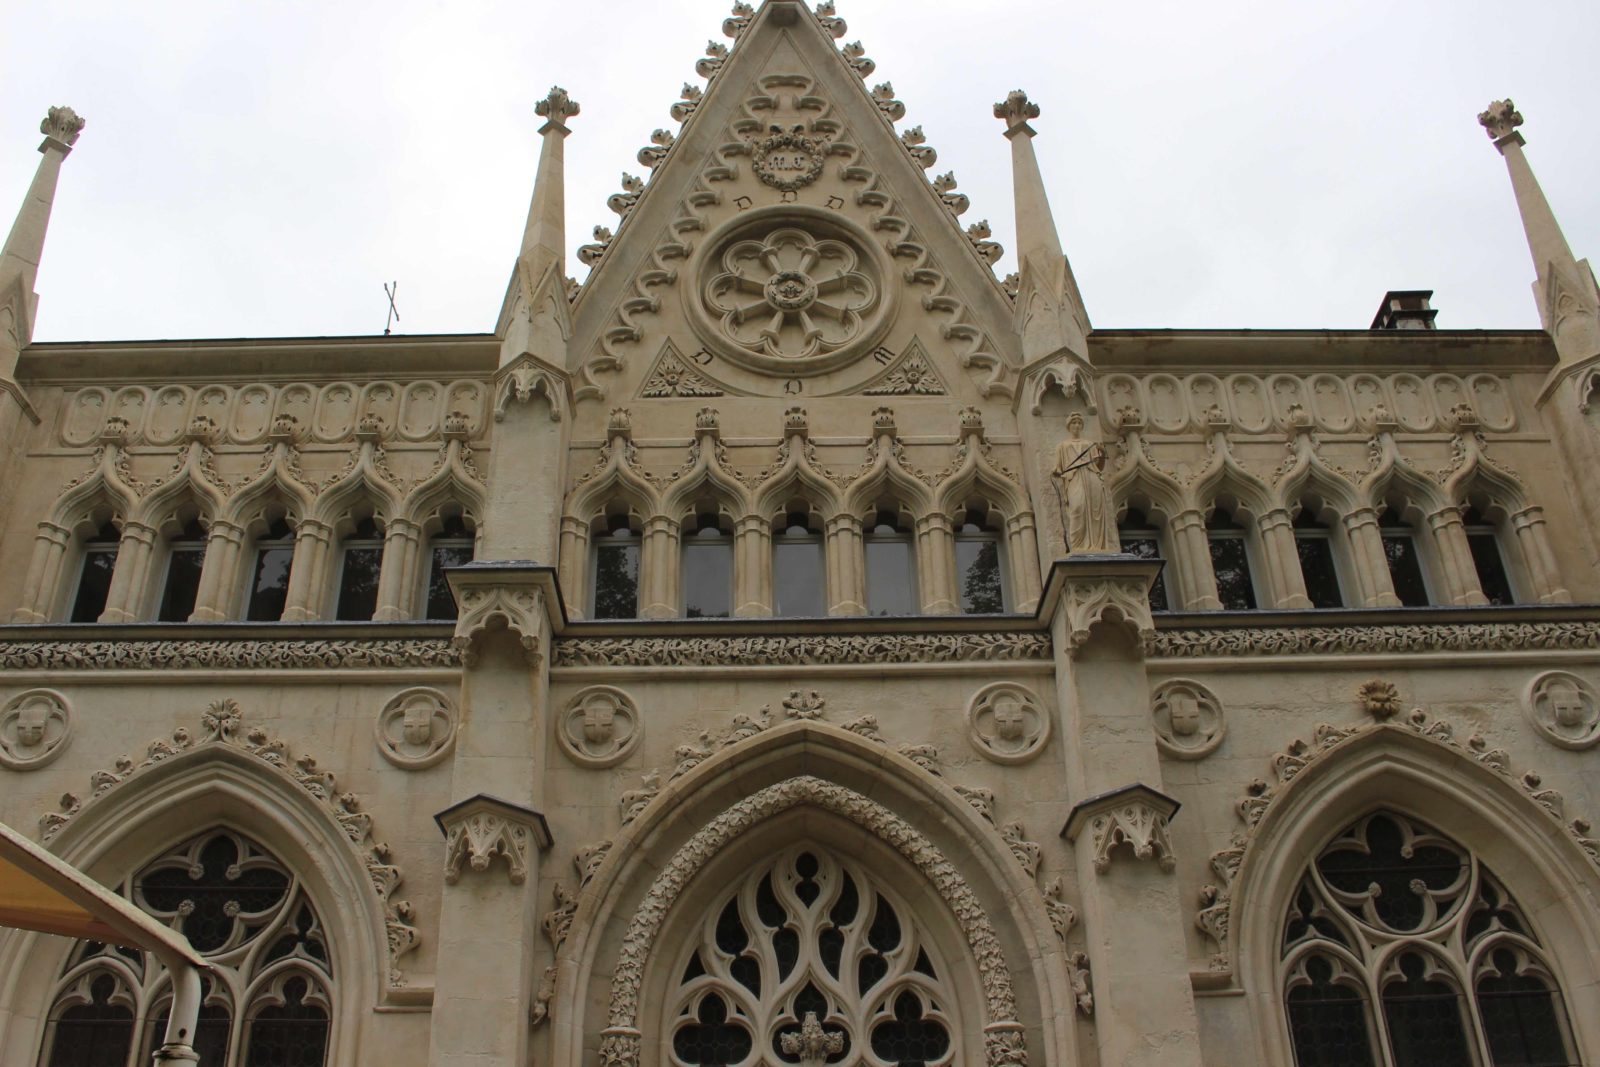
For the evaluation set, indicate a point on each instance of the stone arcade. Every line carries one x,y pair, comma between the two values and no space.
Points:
795,644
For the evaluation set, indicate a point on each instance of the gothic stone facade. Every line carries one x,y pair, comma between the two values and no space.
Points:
794,708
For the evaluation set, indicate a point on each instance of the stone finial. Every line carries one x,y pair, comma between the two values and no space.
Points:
855,54
832,24
1500,119
62,124
736,23
1016,109
706,420
558,107
620,423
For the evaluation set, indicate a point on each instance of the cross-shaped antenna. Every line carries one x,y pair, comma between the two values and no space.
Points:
389,290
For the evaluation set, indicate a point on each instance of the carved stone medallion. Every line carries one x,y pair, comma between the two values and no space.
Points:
34,729
1188,719
787,160
600,727
1564,709
1006,723
416,728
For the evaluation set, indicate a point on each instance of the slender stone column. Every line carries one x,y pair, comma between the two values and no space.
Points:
1283,560
1371,565
658,569
936,557
752,568
1023,556
1193,552
397,579
1534,538
219,573
130,579
1455,557
847,592
50,546
308,577
1134,917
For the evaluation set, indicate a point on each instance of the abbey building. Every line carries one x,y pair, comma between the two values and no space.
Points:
796,643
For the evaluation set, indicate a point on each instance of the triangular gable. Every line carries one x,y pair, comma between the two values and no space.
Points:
788,135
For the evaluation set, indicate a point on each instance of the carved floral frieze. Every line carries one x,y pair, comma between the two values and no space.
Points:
221,654
1350,640
820,649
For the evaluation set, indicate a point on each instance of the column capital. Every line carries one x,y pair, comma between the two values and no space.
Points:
478,829
1086,590
518,595
1136,815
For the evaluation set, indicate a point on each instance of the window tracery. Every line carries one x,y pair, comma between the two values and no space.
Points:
268,998
811,960
1394,915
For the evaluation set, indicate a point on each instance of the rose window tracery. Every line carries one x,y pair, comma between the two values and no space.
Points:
811,961
791,295
1400,948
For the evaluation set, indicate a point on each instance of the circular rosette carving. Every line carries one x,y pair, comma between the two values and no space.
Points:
787,160
1563,708
34,729
600,727
1188,719
1006,723
791,291
416,728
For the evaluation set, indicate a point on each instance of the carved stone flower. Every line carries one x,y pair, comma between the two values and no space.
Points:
791,295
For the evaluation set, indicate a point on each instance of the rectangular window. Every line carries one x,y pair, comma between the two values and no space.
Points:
358,583
978,577
797,576
1147,547
441,603
183,582
1405,568
707,577
616,581
1491,566
1316,567
1231,563
269,585
891,576
94,582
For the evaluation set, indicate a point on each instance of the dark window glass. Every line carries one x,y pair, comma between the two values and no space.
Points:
269,584
1405,567
712,1041
799,582
1426,1028
910,1039
1328,1021
97,1034
294,1034
616,575
186,555
1484,542
891,572
94,577
1315,548
978,576
452,546
1231,564
1522,1018
210,1034
1139,538
707,572
358,577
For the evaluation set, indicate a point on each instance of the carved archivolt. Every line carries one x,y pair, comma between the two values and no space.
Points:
35,727
222,724
1260,796
1002,1034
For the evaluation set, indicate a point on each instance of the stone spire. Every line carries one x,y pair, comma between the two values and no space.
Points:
541,261
1568,299
19,260
1050,312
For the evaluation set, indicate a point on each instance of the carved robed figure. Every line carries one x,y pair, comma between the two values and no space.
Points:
1088,517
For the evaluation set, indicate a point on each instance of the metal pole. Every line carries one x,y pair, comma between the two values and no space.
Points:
178,1048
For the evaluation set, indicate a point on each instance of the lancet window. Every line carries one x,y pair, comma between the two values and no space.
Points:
1404,559
1230,562
707,573
1313,543
810,960
268,998
614,576
1483,540
268,591
360,561
186,555
451,546
891,567
1142,538
980,573
1401,949
799,569
99,559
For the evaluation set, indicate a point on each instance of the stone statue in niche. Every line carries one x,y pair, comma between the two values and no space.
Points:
1088,516
34,727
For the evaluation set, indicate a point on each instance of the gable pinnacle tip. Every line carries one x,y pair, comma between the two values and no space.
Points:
1016,109
1500,119
558,107
62,124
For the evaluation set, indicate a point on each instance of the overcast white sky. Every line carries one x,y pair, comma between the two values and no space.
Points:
260,169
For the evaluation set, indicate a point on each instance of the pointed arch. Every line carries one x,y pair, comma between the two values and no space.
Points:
195,482
107,489
1309,474
887,476
220,785
1140,480
1394,475
279,485
813,778
367,482
705,476
452,482
1465,794
796,476
616,479
1223,477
